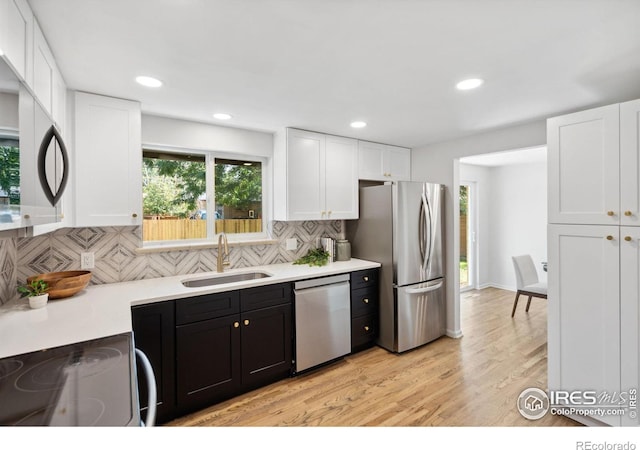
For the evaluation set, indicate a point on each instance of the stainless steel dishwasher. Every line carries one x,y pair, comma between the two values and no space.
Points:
323,320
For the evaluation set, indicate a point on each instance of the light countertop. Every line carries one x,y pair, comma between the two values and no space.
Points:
105,310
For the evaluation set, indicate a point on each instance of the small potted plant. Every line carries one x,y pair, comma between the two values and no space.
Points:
37,293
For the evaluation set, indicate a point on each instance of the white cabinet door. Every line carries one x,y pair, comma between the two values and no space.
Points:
34,124
43,69
398,163
381,162
584,309
305,175
630,163
315,176
630,317
371,161
583,161
341,178
108,161
59,101
16,34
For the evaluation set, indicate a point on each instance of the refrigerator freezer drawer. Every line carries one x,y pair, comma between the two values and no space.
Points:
420,314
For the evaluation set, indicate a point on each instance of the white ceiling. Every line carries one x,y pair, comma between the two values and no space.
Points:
510,158
319,64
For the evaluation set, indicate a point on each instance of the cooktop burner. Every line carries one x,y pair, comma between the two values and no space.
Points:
91,383
45,376
9,366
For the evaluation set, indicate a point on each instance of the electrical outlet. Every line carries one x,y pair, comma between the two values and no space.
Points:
87,260
292,244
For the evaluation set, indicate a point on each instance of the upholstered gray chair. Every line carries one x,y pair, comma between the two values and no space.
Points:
527,281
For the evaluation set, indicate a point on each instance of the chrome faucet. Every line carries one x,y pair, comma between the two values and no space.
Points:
222,239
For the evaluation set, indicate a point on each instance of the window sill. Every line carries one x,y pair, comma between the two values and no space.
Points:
173,247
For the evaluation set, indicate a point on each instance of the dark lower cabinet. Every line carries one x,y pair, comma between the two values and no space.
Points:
364,309
230,343
207,362
154,334
266,345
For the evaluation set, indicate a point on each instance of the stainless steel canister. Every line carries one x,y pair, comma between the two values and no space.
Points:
343,250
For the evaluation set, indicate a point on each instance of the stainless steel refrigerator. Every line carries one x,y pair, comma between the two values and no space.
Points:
401,226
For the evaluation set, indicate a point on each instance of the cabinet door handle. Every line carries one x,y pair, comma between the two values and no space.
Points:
329,213
628,238
628,213
246,321
236,324
134,215
609,238
365,278
365,300
27,216
610,213
366,328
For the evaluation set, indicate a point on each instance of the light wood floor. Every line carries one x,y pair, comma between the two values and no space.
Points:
472,381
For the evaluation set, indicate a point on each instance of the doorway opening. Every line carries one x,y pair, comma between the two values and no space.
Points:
467,235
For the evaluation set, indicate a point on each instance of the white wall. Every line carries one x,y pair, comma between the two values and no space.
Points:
8,110
435,163
518,220
164,131
512,213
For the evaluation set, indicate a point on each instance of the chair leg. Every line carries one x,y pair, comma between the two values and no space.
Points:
515,303
528,303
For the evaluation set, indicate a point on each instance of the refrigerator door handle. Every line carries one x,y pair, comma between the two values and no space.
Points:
425,289
425,229
421,225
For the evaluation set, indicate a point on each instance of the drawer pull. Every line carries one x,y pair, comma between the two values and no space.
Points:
627,238
610,213
365,278
628,213
236,324
134,215
365,300
366,328
609,238
246,321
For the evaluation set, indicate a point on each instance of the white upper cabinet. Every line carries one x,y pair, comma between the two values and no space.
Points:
44,68
108,161
16,36
315,176
583,167
630,163
381,162
594,166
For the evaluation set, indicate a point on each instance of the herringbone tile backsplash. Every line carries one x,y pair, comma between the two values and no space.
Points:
117,260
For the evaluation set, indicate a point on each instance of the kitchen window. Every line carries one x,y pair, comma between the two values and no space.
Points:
193,196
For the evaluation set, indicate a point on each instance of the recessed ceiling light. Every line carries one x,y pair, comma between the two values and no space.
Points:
222,116
471,83
358,124
148,81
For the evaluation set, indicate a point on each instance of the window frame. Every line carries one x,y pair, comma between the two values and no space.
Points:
212,237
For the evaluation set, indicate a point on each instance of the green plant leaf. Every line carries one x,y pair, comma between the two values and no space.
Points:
314,257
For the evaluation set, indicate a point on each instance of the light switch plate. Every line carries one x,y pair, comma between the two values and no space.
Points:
292,244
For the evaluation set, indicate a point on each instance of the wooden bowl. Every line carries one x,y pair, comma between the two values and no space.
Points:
64,284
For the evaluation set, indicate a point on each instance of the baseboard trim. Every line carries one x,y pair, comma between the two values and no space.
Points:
455,334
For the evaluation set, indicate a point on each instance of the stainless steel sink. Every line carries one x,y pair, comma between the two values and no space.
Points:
222,279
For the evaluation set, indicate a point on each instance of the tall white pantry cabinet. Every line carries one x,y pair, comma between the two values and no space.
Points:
594,254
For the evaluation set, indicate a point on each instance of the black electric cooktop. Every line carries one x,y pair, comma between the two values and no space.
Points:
90,383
